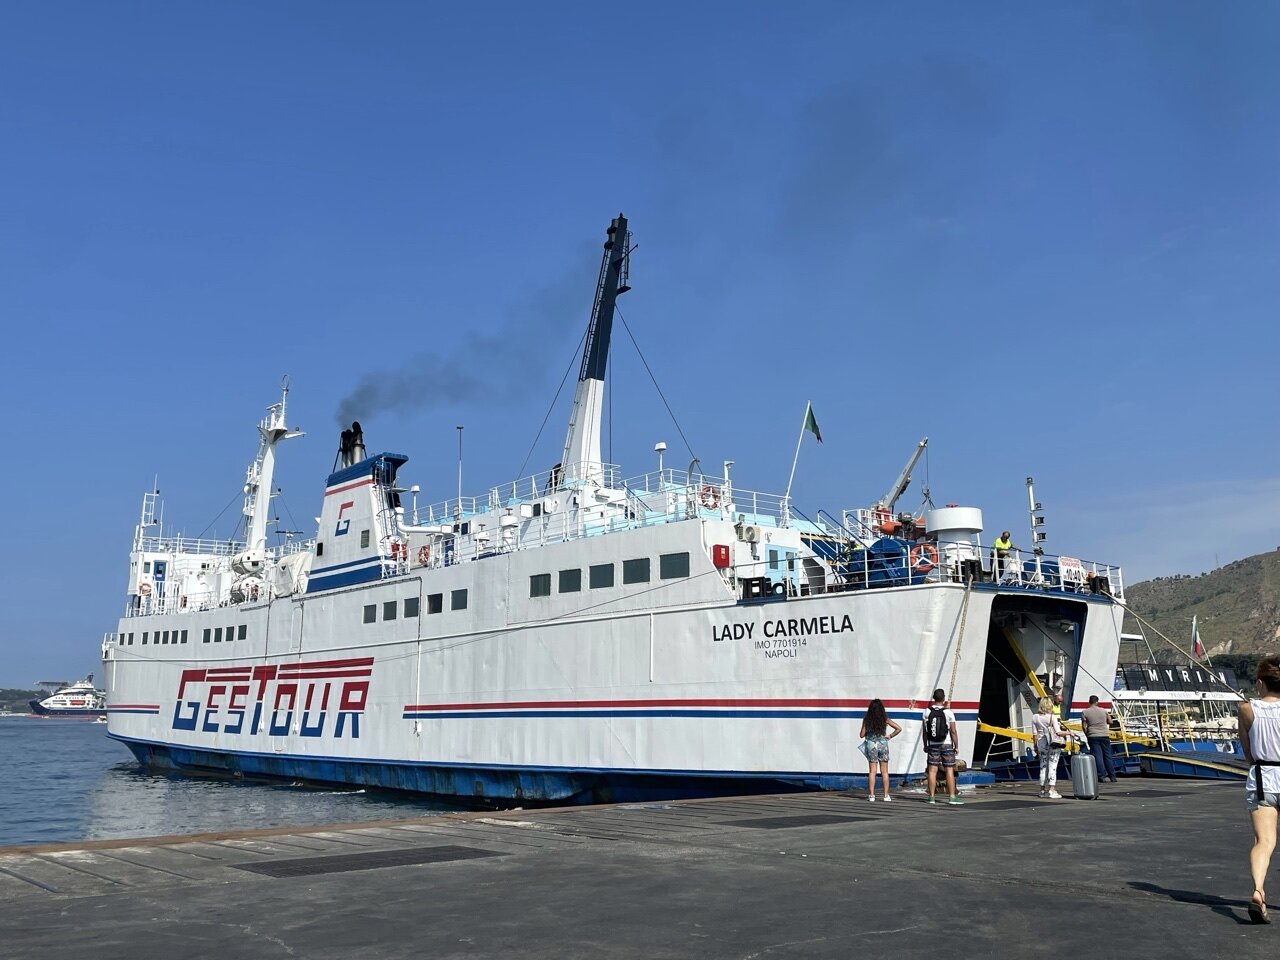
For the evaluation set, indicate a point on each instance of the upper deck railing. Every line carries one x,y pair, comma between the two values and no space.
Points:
181,544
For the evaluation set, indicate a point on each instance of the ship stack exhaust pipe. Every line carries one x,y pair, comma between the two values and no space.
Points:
351,447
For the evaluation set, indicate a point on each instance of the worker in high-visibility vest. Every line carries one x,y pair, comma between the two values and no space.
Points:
999,553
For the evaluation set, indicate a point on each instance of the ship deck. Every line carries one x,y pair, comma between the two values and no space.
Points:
1151,867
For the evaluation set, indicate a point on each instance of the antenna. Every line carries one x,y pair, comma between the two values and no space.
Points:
460,469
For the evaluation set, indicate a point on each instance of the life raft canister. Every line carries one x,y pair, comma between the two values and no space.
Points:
924,557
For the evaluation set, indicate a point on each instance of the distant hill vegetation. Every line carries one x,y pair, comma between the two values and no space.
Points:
1237,607
16,701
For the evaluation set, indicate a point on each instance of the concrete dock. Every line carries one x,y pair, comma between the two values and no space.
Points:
1151,869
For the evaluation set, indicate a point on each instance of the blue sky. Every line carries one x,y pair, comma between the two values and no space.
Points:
1043,235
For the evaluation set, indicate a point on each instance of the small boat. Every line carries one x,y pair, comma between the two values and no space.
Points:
80,700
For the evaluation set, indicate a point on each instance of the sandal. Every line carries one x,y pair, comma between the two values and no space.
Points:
1258,911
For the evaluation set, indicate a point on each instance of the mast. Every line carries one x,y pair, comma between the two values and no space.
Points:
581,458
261,473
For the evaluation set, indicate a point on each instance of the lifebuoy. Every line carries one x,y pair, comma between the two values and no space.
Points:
424,554
145,589
709,496
924,557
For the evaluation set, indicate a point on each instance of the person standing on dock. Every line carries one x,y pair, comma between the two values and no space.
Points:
938,731
1258,728
1096,724
1050,739
875,730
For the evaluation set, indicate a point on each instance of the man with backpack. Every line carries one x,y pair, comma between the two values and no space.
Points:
938,731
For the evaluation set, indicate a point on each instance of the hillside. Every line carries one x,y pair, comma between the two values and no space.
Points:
15,701
1238,607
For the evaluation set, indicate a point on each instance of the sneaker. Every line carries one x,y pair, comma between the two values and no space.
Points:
956,801
887,799
931,800
1044,794
871,799
1054,795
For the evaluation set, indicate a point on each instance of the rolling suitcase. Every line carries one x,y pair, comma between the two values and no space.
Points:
1084,776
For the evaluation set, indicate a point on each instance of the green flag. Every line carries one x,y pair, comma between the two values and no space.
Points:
811,422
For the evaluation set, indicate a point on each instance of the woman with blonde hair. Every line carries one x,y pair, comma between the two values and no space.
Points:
1050,739
1259,732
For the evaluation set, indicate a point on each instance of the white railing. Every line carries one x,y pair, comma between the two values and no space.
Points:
181,544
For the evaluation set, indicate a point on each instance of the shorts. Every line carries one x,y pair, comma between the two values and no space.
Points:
941,755
877,749
1269,799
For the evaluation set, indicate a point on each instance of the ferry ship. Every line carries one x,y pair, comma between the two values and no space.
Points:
580,635
80,700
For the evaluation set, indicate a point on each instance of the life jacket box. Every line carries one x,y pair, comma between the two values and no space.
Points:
1084,776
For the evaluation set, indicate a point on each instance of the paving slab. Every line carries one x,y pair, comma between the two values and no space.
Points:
1152,868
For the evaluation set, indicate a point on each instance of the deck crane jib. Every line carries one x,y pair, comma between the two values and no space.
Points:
884,521
581,461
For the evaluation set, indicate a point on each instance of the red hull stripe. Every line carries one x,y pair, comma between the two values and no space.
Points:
731,702
323,674
349,486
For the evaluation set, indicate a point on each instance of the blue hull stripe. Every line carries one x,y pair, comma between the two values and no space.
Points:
232,756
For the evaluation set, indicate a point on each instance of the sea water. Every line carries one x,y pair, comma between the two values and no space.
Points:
65,780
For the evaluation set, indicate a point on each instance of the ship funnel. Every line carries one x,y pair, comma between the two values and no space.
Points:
351,446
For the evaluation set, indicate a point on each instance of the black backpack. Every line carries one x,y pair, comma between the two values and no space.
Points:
936,728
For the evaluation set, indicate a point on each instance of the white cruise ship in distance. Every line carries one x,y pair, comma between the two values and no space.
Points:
65,700
584,635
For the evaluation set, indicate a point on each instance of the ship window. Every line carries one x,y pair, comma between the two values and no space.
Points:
411,607
364,538
435,602
458,600
164,638
389,610
370,613
244,631
131,639
571,580
184,636
319,549
672,565
464,528
120,639
231,634
146,567
144,638
600,575
217,635
635,571
540,585
207,633
773,559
